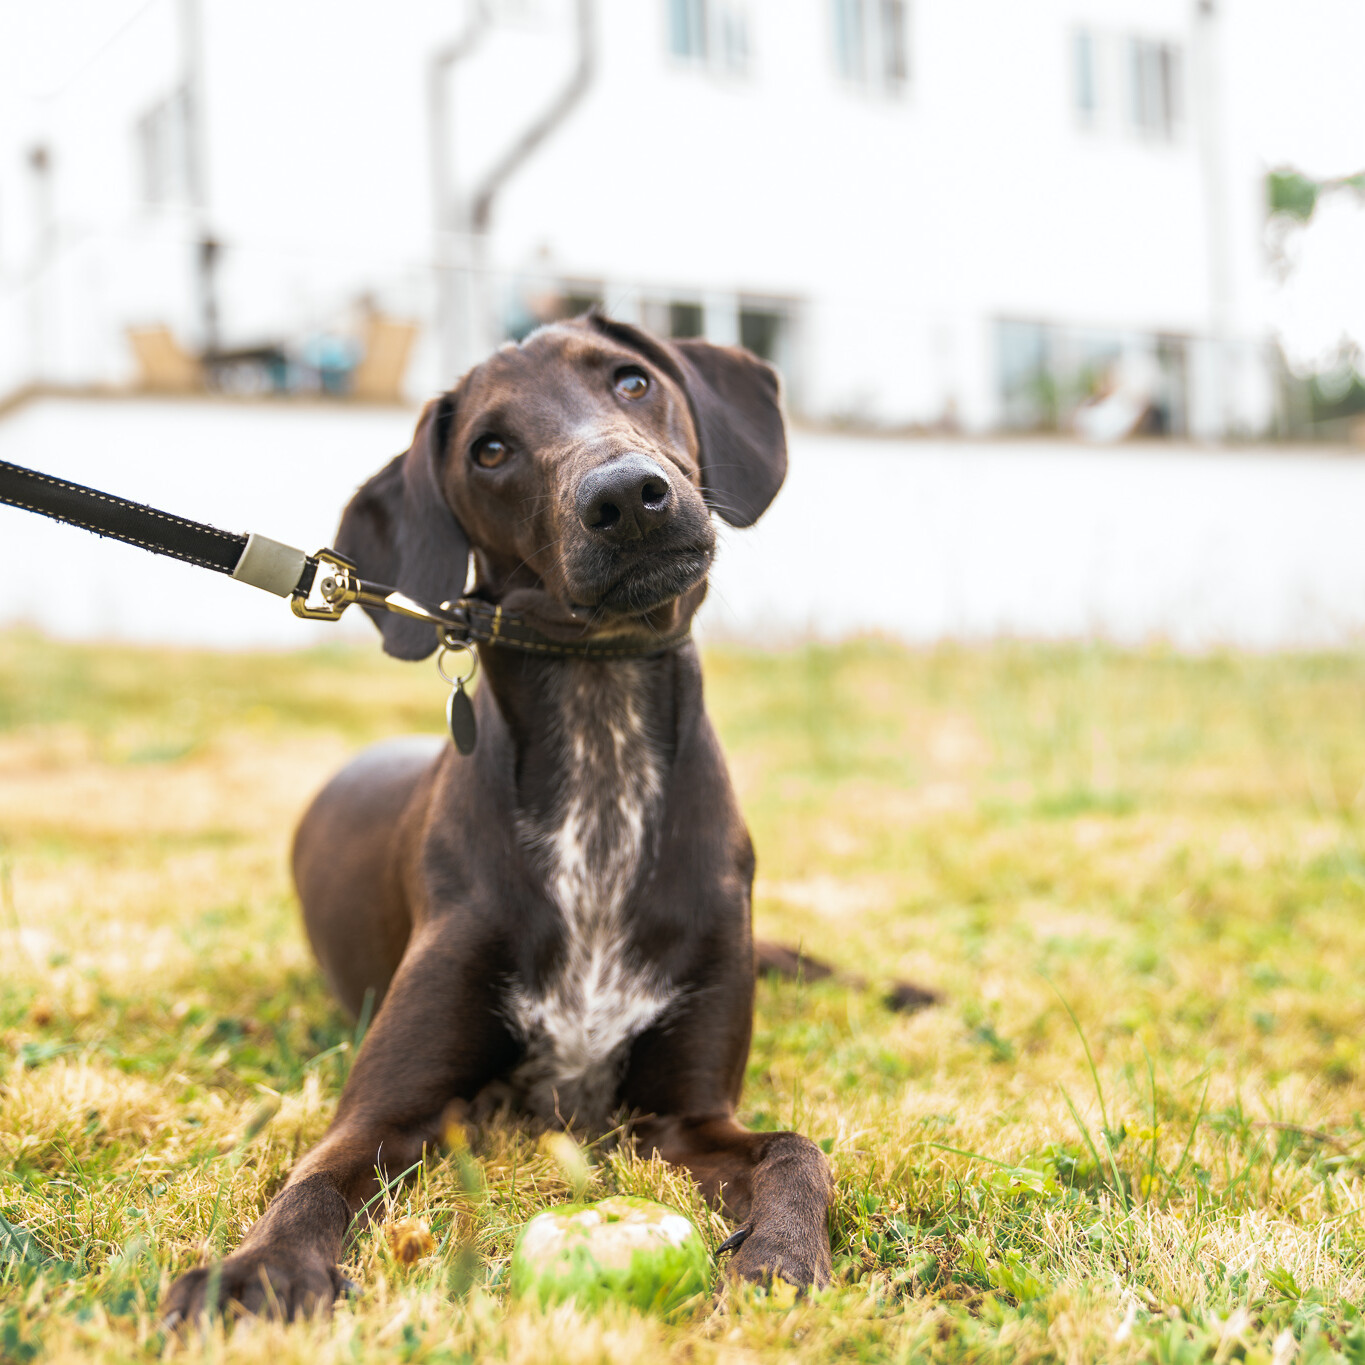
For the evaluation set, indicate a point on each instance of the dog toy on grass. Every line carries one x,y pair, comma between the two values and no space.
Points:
621,1250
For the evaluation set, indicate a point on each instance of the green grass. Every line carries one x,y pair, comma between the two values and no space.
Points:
1132,1131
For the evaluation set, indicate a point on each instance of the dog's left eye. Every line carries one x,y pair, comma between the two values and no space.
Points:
632,384
488,452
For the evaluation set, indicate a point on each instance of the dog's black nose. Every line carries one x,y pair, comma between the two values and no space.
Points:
624,499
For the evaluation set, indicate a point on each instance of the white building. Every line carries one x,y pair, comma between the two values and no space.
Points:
933,212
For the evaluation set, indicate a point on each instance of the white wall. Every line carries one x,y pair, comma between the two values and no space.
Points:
962,539
904,227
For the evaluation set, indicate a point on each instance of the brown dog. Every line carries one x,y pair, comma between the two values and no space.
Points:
563,916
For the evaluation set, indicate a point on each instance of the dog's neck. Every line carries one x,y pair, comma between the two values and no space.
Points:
562,715
592,746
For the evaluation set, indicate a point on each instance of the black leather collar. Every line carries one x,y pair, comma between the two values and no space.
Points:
474,621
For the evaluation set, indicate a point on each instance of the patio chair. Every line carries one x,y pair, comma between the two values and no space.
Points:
164,366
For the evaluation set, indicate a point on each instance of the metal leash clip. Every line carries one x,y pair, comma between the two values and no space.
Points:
335,586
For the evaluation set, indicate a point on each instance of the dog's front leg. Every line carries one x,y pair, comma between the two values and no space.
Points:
777,1185
437,1037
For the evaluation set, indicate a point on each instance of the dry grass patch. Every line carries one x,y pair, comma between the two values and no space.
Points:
1132,1131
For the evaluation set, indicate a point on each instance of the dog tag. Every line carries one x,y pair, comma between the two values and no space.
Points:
460,718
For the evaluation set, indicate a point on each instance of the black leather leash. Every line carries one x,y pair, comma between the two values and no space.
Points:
135,523
319,586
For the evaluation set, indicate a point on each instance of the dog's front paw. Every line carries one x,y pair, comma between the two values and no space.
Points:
777,1251
268,1281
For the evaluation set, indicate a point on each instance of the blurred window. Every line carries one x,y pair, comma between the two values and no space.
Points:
760,331
1173,390
164,151
533,301
578,300
1049,374
733,44
1086,82
895,45
1028,397
714,33
1155,80
685,320
872,43
849,39
687,28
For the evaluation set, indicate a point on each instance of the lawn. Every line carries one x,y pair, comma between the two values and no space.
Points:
1132,1130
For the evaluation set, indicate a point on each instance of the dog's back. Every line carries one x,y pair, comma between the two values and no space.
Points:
347,871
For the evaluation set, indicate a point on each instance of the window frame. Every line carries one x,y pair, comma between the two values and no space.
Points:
709,35
1086,97
688,24
1156,88
871,45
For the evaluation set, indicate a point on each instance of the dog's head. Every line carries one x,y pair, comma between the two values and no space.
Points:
581,467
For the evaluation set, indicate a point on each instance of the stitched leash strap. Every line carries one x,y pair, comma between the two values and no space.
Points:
287,572
253,559
133,522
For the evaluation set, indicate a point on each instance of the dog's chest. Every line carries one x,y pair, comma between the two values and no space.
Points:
592,849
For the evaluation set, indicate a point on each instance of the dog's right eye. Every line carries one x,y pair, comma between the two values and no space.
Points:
488,452
632,383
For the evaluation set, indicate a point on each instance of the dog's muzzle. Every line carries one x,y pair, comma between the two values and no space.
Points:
643,540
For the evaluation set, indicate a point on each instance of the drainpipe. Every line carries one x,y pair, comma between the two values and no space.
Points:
486,193
453,292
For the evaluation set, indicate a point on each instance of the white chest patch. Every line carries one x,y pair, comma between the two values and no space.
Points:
578,1024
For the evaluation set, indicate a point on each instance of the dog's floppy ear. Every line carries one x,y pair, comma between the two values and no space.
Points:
736,405
737,410
399,531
